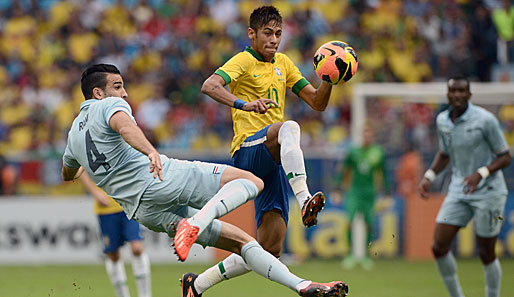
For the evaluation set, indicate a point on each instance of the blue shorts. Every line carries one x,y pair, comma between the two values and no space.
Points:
253,156
117,229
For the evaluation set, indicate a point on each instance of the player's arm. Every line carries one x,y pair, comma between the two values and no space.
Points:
471,182
347,178
132,134
69,174
440,162
494,137
316,98
97,194
342,182
502,161
214,87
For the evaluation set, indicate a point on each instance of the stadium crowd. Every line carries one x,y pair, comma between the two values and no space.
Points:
167,48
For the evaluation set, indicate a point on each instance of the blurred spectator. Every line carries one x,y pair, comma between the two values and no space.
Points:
483,42
8,177
506,116
408,172
180,43
503,18
152,112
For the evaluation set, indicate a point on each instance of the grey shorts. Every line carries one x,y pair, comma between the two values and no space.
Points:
487,214
186,188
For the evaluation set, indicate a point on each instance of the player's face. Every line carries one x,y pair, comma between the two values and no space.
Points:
458,94
367,137
113,88
266,39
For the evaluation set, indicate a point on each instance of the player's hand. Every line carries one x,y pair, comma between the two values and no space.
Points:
260,105
383,203
471,183
424,187
155,164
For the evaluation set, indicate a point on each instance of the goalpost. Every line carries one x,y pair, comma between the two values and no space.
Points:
482,94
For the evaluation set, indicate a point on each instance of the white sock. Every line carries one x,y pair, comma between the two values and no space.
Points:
118,277
448,270
141,270
230,267
268,266
232,195
291,157
304,284
493,277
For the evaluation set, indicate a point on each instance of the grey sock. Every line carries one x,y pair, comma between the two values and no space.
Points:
493,277
268,266
448,270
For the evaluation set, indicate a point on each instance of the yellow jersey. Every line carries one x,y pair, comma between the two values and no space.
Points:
250,78
113,207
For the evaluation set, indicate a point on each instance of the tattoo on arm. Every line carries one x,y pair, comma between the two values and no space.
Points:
214,88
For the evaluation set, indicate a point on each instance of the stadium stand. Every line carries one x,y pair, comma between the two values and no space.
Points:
167,48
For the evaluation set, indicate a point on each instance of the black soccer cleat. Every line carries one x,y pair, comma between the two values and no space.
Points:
332,289
187,283
311,208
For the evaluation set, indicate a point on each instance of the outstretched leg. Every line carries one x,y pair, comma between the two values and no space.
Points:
270,234
236,188
237,241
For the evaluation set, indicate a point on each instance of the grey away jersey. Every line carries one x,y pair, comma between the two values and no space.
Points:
116,167
473,141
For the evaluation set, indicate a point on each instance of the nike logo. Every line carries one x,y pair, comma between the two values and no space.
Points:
290,175
256,75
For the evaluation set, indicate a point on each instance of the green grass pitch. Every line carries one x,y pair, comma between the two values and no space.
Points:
389,278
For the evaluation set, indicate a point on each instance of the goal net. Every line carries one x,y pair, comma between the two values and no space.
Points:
403,115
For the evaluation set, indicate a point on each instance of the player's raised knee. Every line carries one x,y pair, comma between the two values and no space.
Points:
257,181
232,173
291,126
289,130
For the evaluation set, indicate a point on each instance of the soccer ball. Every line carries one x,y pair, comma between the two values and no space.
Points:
335,62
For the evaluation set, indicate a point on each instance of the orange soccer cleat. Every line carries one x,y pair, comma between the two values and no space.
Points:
333,289
184,238
311,208
187,283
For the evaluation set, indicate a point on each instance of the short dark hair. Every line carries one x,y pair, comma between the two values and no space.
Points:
95,76
263,15
459,77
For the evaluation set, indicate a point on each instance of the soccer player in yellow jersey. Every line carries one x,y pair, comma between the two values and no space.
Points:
116,229
263,143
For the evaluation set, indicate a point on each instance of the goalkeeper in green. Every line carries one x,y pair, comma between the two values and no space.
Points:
363,168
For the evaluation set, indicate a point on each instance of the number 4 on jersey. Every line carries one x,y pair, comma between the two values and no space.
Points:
94,157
